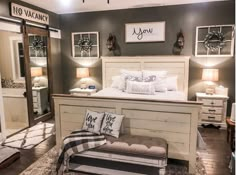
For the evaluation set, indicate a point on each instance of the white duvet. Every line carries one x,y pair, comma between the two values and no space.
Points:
116,93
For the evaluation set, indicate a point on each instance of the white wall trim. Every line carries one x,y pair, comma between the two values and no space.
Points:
2,116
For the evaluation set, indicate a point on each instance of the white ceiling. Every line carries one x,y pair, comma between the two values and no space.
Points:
75,6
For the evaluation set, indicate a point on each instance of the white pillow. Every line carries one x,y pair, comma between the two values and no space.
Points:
129,75
172,83
115,81
111,124
93,121
160,84
134,87
158,74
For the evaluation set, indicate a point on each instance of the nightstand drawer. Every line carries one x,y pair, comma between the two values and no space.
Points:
211,117
212,110
212,102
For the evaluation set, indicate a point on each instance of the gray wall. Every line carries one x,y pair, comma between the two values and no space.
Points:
185,17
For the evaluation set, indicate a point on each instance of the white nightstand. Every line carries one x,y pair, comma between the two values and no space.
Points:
82,92
213,109
40,99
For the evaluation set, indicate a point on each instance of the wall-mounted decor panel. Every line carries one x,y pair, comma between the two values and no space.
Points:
145,32
85,45
214,41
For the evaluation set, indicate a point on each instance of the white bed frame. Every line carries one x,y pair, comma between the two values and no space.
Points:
175,65
175,121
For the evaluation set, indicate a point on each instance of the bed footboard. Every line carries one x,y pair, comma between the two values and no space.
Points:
175,121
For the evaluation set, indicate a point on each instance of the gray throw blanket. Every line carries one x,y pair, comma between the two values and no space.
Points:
77,142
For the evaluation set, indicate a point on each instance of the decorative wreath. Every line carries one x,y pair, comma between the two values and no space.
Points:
214,40
37,44
85,44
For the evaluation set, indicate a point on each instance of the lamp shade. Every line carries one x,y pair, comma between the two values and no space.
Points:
82,72
36,71
210,74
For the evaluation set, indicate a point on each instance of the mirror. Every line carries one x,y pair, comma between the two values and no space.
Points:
12,70
38,55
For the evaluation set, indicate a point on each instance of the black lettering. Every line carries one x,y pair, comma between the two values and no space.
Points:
141,32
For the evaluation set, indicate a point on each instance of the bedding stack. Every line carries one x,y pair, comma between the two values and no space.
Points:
145,84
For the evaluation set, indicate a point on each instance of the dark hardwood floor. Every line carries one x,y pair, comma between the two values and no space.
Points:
28,157
215,158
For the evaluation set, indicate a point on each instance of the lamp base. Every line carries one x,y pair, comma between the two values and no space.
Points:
83,86
210,91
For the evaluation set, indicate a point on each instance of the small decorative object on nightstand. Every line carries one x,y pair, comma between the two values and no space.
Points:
213,109
82,92
210,75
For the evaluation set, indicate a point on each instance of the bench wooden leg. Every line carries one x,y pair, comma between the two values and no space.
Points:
162,171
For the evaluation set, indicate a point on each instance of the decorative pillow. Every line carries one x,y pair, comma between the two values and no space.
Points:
172,83
111,124
93,121
158,74
134,87
116,81
129,75
150,78
160,84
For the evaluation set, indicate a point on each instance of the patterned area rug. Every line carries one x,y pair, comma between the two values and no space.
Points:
46,165
30,137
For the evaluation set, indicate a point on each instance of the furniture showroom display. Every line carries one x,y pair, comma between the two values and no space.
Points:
175,121
213,110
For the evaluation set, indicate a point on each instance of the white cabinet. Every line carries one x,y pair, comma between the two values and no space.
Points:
213,109
40,99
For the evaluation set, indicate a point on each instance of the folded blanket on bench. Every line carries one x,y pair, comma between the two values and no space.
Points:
75,143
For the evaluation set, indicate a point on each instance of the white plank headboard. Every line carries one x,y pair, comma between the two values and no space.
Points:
175,65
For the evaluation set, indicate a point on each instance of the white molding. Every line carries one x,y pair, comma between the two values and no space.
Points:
2,115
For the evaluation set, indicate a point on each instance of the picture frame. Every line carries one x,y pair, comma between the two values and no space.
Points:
214,41
85,45
145,32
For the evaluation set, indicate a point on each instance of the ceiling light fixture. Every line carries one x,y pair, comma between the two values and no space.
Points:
108,1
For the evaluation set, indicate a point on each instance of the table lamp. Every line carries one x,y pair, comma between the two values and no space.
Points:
210,75
82,73
36,72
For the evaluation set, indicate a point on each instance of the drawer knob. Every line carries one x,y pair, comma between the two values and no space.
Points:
212,110
212,103
210,117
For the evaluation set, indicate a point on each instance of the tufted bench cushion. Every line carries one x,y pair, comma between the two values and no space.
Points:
129,149
131,145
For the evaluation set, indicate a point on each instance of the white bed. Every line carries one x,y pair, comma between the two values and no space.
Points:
169,116
116,93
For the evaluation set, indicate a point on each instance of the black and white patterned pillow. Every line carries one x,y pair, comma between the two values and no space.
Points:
111,124
150,78
93,121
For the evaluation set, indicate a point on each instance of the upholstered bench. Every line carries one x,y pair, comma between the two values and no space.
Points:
128,149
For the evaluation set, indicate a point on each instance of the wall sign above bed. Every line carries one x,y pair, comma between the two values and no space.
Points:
145,32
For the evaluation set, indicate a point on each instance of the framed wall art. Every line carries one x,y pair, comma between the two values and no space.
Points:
145,32
214,41
85,45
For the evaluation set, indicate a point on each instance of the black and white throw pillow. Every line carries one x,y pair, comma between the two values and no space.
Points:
111,124
93,121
